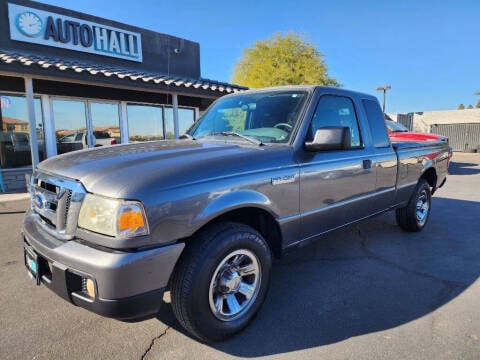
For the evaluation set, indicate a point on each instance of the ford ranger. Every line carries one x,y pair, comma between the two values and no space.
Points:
262,171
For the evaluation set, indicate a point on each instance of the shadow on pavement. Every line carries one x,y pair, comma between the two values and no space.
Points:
459,168
362,279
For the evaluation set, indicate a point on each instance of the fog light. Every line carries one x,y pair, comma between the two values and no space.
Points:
89,287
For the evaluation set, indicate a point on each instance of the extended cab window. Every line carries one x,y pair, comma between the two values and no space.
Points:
377,123
336,111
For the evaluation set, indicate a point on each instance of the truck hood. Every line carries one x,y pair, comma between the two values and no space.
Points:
134,171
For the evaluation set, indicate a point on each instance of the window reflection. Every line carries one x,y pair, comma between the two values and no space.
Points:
105,121
15,131
169,127
186,117
144,122
70,125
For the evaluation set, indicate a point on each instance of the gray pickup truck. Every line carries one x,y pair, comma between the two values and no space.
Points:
111,229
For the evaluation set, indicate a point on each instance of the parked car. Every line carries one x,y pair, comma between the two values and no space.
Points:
15,147
398,132
78,141
263,171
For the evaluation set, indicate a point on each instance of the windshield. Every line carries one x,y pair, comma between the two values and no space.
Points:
268,117
395,127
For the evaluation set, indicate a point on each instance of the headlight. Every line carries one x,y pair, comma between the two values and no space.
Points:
112,217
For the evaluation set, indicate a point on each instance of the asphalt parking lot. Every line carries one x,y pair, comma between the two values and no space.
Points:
369,291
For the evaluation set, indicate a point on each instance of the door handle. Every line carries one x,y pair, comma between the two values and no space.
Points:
367,164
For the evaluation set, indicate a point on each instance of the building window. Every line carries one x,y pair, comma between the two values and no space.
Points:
186,117
145,122
15,131
70,125
71,130
105,123
169,126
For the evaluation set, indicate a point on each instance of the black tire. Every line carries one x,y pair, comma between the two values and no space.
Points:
192,281
412,217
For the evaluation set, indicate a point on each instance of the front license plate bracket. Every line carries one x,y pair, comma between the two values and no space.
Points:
32,264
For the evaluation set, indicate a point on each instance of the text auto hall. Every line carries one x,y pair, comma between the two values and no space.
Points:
72,81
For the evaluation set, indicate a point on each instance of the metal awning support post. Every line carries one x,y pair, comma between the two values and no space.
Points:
176,128
124,137
31,120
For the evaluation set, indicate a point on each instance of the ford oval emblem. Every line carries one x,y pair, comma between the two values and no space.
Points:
39,201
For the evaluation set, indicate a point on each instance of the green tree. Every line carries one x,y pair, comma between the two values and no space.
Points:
478,104
282,60
470,106
461,107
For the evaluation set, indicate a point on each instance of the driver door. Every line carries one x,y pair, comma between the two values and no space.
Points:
335,185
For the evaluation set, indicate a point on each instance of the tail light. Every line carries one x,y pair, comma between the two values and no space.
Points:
113,142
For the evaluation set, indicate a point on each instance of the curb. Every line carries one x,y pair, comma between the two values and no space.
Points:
13,197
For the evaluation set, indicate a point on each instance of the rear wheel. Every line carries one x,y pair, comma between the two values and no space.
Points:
415,215
221,281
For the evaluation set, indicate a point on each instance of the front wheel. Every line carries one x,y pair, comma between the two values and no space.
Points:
414,216
221,281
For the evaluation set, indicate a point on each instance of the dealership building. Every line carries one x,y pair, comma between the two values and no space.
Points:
69,81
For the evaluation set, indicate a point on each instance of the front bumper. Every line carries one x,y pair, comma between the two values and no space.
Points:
128,285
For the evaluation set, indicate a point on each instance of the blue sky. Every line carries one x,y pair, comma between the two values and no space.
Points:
426,50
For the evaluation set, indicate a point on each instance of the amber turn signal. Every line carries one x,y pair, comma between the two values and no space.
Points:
131,220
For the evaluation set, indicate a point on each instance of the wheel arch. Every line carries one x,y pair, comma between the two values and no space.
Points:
245,207
259,219
430,175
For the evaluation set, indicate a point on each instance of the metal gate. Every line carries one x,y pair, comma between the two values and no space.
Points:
461,137
406,120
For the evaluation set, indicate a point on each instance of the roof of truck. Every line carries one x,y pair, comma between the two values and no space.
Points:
310,88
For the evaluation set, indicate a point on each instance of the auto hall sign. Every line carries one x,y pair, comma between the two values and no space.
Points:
51,29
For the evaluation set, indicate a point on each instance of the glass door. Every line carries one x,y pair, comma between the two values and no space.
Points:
82,124
15,131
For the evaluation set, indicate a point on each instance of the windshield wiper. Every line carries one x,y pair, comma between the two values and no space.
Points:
233,133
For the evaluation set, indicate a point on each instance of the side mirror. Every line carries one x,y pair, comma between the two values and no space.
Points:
330,138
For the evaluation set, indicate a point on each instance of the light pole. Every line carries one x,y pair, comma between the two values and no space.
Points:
384,89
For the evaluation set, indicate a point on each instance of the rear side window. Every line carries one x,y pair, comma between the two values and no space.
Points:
336,111
377,123
101,135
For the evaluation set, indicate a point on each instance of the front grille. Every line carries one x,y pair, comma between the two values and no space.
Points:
57,201
67,206
49,187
